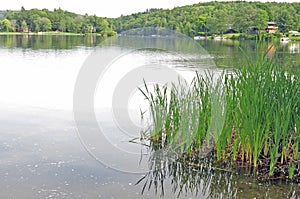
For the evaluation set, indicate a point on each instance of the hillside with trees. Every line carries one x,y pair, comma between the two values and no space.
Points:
36,20
216,17
198,19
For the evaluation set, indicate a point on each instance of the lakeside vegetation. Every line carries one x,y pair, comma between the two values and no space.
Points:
57,21
216,18
233,121
199,19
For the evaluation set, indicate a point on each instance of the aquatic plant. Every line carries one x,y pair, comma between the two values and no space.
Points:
181,114
261,113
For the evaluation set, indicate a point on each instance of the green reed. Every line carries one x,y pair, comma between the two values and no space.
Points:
180,116
263,113
262,116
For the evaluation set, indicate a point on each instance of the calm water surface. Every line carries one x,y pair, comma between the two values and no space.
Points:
44,156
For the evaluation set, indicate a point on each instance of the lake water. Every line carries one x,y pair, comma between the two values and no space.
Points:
70,106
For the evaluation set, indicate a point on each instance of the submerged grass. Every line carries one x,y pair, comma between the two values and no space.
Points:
261,113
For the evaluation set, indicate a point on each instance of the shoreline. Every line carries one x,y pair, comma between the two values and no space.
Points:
230,36
50,33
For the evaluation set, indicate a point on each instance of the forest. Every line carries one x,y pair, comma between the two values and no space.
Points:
59,20
198,19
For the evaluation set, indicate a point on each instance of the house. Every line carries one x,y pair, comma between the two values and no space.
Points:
272,27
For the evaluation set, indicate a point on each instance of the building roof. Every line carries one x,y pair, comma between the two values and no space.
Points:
271,23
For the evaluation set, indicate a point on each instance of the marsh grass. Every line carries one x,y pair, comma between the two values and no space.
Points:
180,114
261,113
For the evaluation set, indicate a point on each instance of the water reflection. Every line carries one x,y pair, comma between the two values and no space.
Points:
231,54
204,178
37,42
294,48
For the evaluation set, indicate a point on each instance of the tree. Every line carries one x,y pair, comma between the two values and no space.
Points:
163,22
187,29
285,21
72,25
213,17
14,25
261,19
32,22
24,26
5,26
201,24
44,24
62,25
104,27
245,18
219,23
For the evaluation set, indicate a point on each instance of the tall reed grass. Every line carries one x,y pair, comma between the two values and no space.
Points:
180,113
262,117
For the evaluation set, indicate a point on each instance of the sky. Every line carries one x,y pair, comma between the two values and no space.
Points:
107,8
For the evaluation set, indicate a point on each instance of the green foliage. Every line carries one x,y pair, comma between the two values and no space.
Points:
262,122
181,117
24,26
261,113
216,17
36,20
209,18
43,24
5,26
285,20
218,22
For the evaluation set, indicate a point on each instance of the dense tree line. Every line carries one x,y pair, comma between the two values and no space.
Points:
36,20
201,18
216,17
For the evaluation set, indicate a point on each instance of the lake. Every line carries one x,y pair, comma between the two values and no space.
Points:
70,114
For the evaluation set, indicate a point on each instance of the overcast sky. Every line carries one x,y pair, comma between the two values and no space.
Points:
104,8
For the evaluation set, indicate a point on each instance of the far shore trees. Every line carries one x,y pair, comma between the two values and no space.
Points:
59,20
198,19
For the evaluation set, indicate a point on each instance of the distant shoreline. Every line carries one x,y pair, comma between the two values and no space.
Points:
228,36
50,33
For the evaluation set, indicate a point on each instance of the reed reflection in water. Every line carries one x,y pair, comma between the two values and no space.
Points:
205,178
